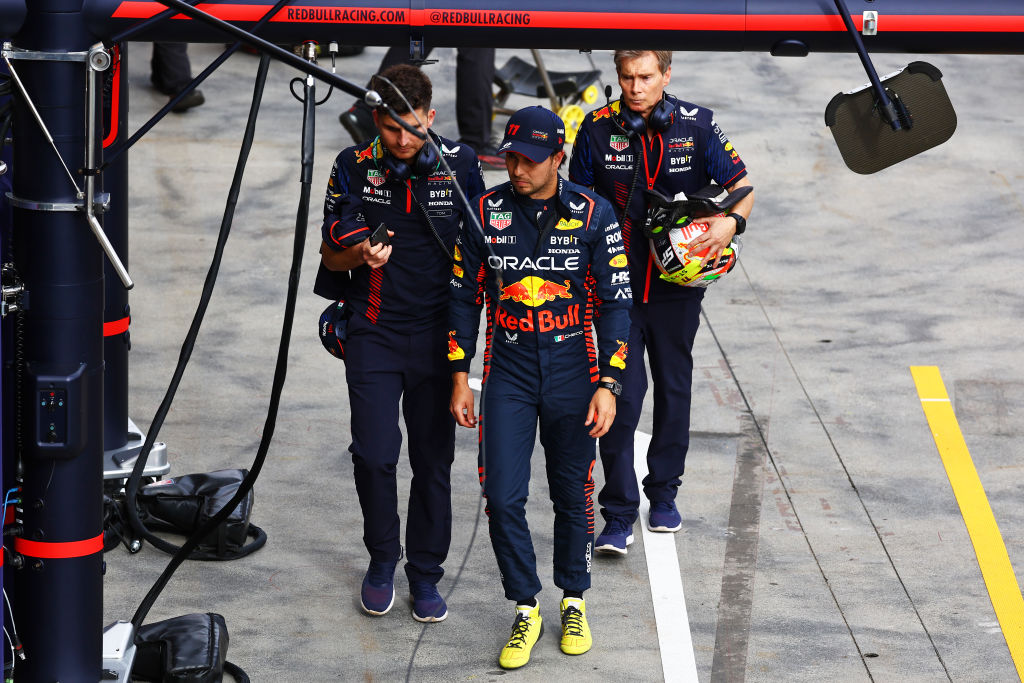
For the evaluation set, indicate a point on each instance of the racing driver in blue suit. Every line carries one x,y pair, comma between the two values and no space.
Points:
548,264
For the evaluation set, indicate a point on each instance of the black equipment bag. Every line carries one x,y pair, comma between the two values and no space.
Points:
183,504
187,649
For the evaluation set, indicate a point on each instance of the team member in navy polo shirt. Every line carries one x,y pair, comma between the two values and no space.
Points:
549,260
395,350
651,140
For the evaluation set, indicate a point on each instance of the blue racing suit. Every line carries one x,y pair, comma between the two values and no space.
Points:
690,153
562,267
395,346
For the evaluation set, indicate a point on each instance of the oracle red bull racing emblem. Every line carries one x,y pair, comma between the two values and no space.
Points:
543,321
376,178
500,219
535,291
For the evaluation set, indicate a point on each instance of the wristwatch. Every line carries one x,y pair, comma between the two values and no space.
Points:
612,386
741,223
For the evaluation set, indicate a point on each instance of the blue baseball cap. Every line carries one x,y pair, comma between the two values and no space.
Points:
534,132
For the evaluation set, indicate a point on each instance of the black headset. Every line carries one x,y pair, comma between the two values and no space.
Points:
633,123
426,161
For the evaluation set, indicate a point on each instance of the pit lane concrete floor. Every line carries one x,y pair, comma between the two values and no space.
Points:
821,540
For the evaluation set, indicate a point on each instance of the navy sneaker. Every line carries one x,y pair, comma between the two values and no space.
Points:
664,516
617,534
427,603
378,593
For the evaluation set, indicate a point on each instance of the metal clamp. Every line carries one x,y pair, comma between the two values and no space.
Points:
102,202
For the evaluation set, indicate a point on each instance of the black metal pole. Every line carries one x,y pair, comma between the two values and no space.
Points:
884,103
116,339
59,596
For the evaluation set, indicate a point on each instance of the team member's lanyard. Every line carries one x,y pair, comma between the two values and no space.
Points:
661,155
650,186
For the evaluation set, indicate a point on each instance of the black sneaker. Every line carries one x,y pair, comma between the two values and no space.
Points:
358,121
193,99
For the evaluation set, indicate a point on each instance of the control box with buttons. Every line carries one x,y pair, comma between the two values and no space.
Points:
59,411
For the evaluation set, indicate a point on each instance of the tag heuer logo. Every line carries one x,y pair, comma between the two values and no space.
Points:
375,177
619,142
500,220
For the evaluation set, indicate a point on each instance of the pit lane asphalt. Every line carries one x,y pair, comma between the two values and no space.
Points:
821,536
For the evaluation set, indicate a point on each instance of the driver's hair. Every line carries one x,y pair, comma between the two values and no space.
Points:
410,80
664,57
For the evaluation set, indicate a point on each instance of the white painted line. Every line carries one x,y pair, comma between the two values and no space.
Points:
674,641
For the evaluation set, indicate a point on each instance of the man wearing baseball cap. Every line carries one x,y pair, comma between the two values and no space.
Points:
548,255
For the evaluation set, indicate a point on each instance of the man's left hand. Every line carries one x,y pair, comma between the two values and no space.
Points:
601,412
718,236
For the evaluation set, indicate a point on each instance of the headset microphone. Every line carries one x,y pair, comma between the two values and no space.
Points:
608,94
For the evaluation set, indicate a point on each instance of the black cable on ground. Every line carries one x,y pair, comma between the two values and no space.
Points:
117,150
132,487
281,367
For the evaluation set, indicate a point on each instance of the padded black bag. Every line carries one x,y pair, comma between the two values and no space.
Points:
183,504
188,649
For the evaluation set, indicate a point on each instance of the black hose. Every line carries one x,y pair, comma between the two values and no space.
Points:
236,672
132,487
281,368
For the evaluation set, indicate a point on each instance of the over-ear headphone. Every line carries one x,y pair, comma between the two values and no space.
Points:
426,161
659,120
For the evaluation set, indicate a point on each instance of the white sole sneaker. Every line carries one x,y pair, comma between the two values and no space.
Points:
610,549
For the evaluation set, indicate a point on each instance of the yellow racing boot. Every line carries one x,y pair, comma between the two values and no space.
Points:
525,632
576,637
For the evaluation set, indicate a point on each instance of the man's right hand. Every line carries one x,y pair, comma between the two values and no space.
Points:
356,255
461,405
375,256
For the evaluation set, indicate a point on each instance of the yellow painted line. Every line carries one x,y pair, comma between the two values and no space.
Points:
977,513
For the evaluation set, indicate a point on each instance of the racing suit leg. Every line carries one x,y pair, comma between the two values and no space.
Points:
569,458
620,495
673,326
431,430
509,422
373,368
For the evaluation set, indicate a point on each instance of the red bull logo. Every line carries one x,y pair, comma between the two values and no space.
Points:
364,155
544,321
603,113
455,351
535,291
619,357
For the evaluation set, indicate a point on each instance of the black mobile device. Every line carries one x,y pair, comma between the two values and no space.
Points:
380,236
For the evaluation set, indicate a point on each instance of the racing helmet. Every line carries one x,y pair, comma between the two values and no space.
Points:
673,223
